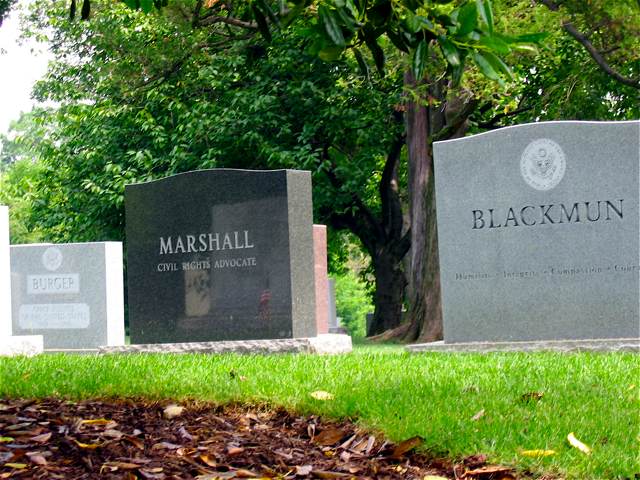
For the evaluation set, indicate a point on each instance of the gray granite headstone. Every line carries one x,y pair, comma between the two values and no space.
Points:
221,255
71,294
538,230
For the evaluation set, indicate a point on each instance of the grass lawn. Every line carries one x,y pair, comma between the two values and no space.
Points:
530,401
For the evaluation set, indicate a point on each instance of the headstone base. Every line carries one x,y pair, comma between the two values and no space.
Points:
322,344
595,345
340,330
28,345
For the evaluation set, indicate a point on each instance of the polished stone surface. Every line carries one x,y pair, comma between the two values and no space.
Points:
538,231
329,344
221,255
71,294
322,278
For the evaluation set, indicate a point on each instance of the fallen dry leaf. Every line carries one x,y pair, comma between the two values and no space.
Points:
575,443
122,465
136,442
478,415
96,421
87,446
434,477
43,438
172,411
537,453
231,450
207,460
117,434
38,459
322,395
489,470
303,470
329,437
17,466
404,447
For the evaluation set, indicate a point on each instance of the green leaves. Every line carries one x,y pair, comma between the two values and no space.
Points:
467,19
331,25
449,51
146,5
491,66
420,59
486,13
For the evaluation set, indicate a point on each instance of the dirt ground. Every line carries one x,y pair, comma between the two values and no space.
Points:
56,439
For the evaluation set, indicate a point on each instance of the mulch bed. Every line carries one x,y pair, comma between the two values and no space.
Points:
57,439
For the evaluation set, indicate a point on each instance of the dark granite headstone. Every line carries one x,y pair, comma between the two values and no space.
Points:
538,230
221,255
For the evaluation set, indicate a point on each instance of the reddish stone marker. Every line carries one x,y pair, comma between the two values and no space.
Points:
322,277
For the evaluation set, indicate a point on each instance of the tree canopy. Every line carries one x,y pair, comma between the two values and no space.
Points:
354,91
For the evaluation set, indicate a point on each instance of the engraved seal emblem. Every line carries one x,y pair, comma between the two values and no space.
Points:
52,259
543,164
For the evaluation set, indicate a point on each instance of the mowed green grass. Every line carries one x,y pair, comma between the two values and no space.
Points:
594,395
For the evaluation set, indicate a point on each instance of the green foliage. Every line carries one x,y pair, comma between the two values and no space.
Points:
149,97
5,8
352,303
561,81
18,192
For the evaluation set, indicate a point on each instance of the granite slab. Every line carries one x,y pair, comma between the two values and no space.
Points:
538,230
219,255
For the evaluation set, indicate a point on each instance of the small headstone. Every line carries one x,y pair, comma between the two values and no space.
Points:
71,294
321,278
221,255
538,230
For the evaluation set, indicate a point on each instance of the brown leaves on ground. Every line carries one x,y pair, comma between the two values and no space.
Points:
57,439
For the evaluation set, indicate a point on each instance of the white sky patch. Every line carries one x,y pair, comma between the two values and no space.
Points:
20,66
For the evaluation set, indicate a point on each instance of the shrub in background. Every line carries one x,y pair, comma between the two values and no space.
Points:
353,302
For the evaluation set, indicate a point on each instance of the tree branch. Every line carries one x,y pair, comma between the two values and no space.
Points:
584,41
228,21
196,14
491,123
374,227
453,126
389,197
599,59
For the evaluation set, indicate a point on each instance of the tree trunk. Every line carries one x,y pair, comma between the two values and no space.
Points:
384,237
388,297
425,314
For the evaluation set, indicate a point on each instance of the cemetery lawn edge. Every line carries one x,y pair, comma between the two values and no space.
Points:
502,404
